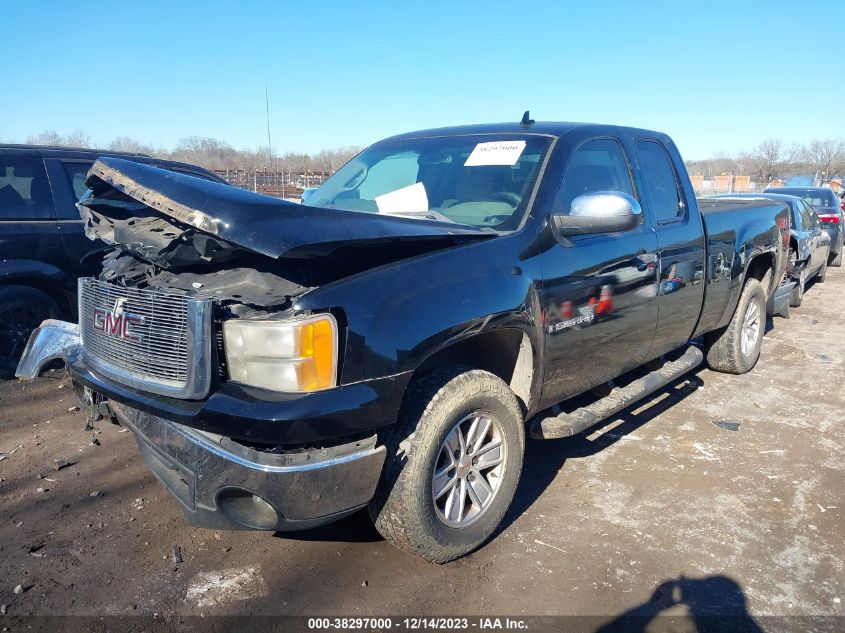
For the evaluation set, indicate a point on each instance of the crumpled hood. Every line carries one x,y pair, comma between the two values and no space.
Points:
253,221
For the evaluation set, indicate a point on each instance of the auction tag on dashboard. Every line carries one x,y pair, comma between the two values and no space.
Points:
495,153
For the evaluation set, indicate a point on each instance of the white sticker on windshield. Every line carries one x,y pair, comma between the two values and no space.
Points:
411,199
495,153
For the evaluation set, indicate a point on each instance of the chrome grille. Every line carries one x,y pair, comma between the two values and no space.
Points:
147,339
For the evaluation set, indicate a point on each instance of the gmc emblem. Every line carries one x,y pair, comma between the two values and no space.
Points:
117,323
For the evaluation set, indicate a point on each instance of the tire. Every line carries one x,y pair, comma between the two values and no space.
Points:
836,261
821,276
405,509
22,309
724,347
796,297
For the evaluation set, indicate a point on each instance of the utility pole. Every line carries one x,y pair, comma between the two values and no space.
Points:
269,141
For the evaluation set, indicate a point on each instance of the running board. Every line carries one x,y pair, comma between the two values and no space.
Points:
568,424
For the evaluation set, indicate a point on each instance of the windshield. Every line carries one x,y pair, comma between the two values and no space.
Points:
476,180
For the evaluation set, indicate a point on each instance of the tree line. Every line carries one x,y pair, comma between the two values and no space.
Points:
213,153
771,159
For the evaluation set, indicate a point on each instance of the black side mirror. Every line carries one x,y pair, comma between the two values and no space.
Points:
600,212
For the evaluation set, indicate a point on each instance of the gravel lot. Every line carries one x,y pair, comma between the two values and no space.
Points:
661,504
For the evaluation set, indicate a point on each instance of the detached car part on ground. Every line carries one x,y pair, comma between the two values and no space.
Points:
386,344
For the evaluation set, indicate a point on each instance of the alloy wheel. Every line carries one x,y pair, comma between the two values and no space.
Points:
469,469
750,328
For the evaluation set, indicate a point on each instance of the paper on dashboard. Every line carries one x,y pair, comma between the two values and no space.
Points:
411,199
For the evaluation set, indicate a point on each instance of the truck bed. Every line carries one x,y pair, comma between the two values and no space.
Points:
737,230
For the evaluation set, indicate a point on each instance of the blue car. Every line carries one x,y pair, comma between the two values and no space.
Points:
828,207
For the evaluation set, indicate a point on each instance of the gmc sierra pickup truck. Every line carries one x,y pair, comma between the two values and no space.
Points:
389,343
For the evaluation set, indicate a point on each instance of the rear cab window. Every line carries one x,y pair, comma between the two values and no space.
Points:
24,190
661,181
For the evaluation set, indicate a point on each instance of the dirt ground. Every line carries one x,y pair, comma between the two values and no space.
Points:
661,503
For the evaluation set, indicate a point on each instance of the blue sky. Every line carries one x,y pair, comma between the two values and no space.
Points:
716,75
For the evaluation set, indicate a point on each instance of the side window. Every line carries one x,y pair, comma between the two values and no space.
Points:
76,173
660,181
809,217
24,190
597,165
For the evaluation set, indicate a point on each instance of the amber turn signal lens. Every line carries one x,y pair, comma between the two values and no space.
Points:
317,352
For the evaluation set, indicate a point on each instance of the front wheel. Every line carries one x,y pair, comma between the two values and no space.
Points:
735,349
836,261
455,458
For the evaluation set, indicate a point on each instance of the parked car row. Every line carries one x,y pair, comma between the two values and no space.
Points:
43,248
817,233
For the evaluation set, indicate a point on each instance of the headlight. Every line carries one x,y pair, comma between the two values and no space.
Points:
296,355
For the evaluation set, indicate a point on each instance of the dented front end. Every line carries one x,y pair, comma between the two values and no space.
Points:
236,445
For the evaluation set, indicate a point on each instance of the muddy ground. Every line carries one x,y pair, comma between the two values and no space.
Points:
662,502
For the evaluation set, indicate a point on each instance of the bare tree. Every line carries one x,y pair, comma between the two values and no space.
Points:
47,137
824,154
768,158
78,138
129,144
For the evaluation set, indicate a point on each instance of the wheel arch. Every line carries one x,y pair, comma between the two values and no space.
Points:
52,281
506,352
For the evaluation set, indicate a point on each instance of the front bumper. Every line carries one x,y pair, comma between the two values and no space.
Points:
221,483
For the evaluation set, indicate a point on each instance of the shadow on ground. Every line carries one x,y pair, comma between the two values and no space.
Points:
705,605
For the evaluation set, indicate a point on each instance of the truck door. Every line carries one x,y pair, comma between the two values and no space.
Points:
598,291
680,241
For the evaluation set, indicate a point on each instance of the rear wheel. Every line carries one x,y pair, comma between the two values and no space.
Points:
735,349
22,309
455,460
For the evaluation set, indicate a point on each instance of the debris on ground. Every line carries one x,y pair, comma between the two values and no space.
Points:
96,493
58,464
19,589
177,554
73,409
95,441
3,609
727,425
3,456
707,454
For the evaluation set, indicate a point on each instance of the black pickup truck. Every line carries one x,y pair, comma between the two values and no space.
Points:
389,343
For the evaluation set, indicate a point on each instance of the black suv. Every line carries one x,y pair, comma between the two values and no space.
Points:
43,248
